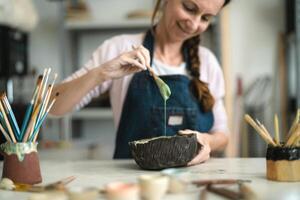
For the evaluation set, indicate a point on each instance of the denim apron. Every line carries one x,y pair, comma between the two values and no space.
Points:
143,109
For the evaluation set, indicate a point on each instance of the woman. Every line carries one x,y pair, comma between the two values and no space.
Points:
172,49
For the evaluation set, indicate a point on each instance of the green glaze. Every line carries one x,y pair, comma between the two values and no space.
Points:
165,92
20,149
164,89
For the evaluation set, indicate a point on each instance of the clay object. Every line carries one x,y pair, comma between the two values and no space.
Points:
153,187
22,169
165,151
283,163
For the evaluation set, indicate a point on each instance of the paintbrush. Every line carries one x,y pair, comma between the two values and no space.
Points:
2,122
49,95
40,89
11,116
44,105
28,112
31,123
47,98
33,137
11,133
5,133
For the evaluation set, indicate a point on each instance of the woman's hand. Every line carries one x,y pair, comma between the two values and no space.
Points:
126,63
204,152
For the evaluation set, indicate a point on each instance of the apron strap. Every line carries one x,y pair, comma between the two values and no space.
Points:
149,42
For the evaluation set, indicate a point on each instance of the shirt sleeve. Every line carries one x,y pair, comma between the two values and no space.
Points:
101,55
215,80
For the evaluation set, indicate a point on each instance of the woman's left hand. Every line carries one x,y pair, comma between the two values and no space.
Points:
204,152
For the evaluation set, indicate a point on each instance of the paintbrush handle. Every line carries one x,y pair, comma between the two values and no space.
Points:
151,71
218,181
293,137
259,130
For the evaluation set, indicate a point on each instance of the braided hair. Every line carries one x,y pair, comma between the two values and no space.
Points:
198,88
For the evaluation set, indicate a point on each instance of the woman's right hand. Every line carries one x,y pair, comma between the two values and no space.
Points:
126,63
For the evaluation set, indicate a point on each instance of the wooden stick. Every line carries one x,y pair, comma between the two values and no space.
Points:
218,182
247,192
224,192
276,128
259,130
293,137
11,133
296,142
294,125
266,132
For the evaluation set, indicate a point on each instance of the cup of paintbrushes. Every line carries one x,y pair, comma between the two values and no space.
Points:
283,163
21,162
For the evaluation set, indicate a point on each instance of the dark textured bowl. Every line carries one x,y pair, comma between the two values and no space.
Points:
164,151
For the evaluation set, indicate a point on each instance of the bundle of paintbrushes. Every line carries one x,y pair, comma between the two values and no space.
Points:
36,112
293,136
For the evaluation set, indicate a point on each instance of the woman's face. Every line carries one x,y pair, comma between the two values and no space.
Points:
184,19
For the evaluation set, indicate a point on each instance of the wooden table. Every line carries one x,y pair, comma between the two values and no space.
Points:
99,173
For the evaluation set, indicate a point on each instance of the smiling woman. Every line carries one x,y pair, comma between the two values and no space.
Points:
172,48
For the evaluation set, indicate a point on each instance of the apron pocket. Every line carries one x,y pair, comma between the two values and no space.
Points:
177,118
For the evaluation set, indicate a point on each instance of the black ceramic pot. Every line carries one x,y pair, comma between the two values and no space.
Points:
165,151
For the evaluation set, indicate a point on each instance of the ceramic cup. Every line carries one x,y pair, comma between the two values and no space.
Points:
177,180
21,162
283,163
153,187
122,191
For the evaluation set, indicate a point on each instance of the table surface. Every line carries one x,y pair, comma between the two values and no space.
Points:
98,173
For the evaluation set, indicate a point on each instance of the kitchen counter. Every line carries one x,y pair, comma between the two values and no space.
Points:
98,173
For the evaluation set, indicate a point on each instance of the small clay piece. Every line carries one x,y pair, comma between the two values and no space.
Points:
153,186
7,184
122,191
177,183
165,151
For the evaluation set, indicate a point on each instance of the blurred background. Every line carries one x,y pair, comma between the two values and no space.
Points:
256,42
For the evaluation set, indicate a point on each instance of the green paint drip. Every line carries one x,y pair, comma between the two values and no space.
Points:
165,92
164,89
20,149
165,106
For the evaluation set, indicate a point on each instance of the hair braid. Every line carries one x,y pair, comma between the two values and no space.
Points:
199,88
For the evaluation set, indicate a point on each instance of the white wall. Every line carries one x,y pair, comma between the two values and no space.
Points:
254,27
